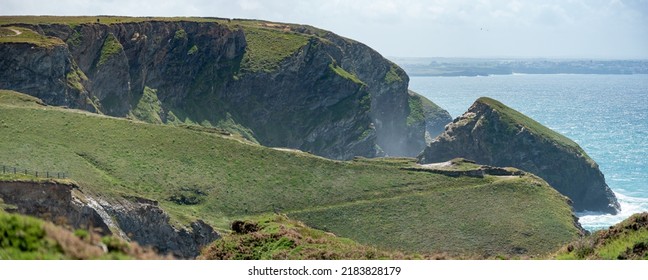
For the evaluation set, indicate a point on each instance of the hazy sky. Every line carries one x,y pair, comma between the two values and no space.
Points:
418,28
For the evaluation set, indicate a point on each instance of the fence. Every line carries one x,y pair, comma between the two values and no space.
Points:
43,174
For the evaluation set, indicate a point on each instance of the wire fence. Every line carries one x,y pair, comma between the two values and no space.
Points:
5,169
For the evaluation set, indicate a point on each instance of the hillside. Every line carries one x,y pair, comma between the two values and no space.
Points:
627,240
278,237
494,134
193,173
338,97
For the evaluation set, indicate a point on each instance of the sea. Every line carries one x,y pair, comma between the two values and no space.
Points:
607,115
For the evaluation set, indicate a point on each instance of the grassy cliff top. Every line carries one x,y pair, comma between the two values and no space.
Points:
516,119
202,175
75,20
13,34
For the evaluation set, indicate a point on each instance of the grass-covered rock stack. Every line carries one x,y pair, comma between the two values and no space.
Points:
494,134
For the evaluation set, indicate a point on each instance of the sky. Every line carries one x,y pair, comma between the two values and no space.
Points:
600,29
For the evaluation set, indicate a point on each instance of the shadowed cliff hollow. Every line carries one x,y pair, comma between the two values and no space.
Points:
494,134
278,84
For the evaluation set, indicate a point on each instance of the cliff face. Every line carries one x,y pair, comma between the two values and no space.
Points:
434,117
491,133
279,84
131,218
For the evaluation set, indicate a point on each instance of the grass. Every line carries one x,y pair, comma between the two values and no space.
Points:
344,74
459,221
515,118
192,50
625,240
389,207
148,108
416,113
27,36
279,237
267,47
75,77
392,75
111,47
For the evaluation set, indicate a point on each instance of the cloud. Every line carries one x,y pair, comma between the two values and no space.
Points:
603,28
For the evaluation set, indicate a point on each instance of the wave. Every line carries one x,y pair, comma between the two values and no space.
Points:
592,221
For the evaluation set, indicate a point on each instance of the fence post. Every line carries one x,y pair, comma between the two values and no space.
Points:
47,174
36,173
14,170
3,169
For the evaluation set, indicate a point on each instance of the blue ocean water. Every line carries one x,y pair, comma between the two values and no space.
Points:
607,115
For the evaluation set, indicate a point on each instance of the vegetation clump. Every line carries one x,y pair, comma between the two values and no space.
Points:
27,238
149,107
266,48
344,74
392,75
192,50
188,196
416,114
180,34
111,47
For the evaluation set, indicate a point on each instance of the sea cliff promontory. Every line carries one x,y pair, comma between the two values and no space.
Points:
494,134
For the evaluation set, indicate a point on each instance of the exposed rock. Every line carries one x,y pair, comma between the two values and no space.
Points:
491,133
338,98
131,218
479,171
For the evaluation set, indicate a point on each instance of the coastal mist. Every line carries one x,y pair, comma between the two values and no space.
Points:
607,115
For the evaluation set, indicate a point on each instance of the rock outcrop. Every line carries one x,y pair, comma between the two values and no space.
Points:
131,218
282,85
494,134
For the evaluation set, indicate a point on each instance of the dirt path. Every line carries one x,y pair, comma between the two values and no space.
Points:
18,32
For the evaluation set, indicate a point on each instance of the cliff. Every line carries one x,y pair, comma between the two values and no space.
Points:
491,133
279,84
432,115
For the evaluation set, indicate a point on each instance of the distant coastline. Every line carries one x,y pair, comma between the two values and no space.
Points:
452,67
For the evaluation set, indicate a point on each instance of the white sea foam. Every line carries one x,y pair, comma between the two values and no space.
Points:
629,205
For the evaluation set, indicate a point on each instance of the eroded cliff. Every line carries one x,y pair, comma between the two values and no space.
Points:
279,84
130,218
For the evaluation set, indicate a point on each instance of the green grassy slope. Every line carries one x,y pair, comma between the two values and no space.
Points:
625,240
279,237
199,174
